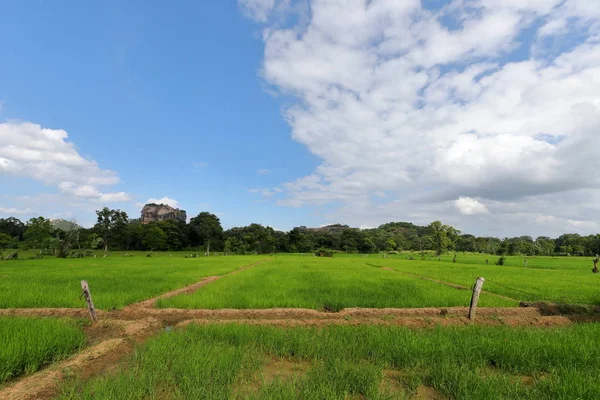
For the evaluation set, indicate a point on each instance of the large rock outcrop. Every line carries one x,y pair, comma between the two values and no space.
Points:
161,212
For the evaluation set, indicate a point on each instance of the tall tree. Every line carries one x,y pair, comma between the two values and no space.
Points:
38,232
110,224
207,227
442,236
13,227
155,238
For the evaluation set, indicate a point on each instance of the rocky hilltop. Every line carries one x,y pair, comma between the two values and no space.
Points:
161,212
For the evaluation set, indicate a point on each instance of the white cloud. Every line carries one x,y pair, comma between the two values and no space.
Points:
469,206
46,155
395,101
258,10
15,211
263,171
164,200
263,191
200,164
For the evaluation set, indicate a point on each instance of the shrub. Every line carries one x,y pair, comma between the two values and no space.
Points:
9,255
323,252
76,254
501,261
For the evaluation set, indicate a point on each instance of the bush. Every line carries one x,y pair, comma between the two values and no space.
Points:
9,255
501,261
76,254
323,252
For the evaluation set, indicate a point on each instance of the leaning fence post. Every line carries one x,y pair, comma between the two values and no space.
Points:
88,298
475,297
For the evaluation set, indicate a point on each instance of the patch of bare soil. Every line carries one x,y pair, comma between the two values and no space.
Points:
427,393
274,369
48,312
392,381
413,322
281,369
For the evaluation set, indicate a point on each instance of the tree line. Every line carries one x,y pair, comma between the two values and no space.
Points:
114,230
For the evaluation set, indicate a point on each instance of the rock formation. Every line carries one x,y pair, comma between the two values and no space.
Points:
161,212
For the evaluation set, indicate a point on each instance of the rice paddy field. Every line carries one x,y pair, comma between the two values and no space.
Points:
29,343
325,284
237,361
115,281
298,327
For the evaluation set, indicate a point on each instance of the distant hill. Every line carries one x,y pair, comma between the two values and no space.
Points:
335,229
63,224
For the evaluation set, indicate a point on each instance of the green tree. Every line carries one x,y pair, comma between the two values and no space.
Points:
391,245
13,227
6,241
39,231
442,236
111,223
207,227
155,238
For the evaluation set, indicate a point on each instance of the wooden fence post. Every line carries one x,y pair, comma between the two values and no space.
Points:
475,297
88,298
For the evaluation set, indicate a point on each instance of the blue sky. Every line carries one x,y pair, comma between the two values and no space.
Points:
167,96
479,113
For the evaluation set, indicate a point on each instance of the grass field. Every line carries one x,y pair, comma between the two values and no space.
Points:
237,361
26,344
114,281
561,280
324,284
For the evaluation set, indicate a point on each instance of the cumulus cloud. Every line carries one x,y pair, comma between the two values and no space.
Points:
258,10
263,171
46,155
164,200
425,106
469,206
15,211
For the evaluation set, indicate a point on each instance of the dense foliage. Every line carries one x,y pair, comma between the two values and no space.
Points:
114,230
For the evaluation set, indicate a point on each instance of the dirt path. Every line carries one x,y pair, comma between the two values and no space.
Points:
452,285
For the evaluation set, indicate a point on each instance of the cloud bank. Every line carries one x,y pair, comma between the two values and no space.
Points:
45,155
478,112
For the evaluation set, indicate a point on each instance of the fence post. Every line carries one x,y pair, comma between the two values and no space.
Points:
88,299
475,297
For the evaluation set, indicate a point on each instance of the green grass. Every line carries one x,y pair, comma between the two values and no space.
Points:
324,284
114,281
561,280
26,344
474,362
295,281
